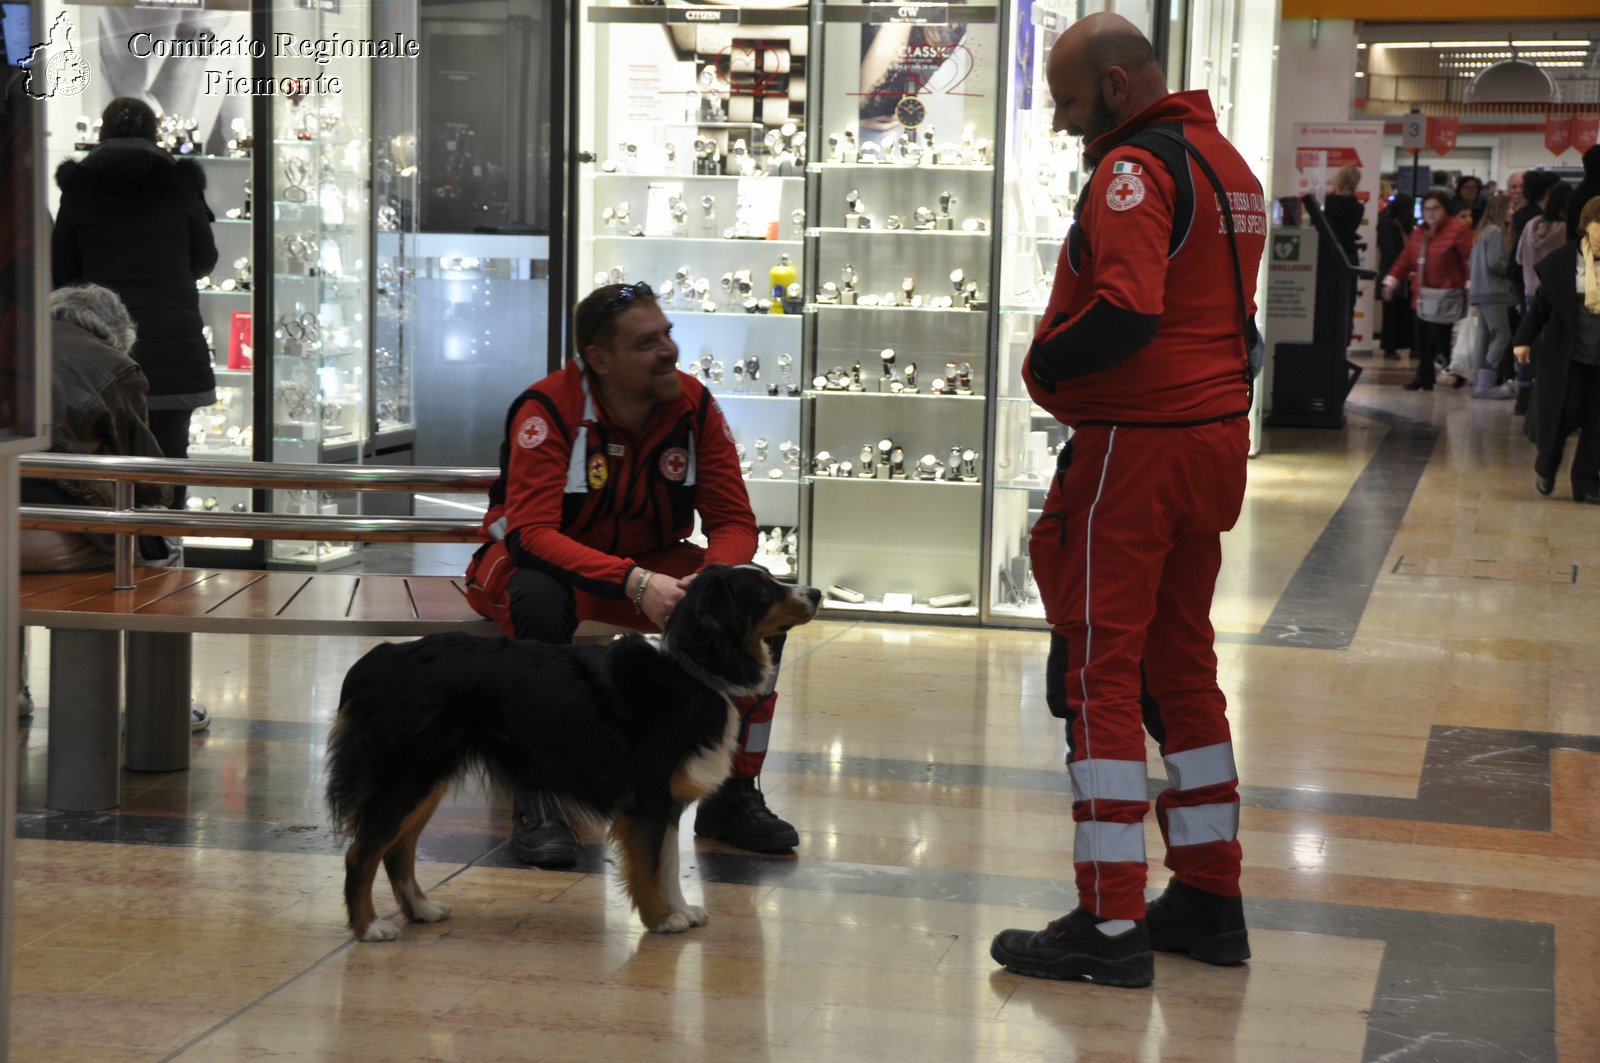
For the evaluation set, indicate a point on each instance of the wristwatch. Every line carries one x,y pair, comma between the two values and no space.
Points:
910,112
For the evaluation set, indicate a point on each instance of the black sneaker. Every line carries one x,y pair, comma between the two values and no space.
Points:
542,842
1208,926
1073,947
738,814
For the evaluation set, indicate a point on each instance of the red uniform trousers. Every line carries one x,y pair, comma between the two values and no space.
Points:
1126,556
527,603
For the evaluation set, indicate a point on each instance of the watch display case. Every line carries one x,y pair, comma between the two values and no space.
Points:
320,406
1043,173
693,135
214,130
900,257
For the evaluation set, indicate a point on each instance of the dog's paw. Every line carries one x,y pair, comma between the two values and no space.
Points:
676,923
380,930
429,912
696,915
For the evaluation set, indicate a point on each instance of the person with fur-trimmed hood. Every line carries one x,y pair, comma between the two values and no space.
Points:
135,220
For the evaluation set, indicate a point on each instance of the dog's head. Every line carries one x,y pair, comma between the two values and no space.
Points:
725,617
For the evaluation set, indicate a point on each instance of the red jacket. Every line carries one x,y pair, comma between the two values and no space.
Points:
578,494
1449,255
1143,324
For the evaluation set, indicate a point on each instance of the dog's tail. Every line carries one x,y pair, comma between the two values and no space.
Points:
350,786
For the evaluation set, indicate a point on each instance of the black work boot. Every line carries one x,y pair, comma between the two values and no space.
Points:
738,814
1208,926
1073,947
542,842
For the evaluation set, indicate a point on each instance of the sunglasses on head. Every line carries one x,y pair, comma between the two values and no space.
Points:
623,299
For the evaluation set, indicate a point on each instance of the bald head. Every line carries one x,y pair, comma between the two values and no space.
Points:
1102,71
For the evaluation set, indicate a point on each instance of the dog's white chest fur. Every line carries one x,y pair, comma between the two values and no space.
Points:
709,768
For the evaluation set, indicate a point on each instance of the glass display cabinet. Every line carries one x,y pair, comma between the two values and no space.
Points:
214,130
900,284
692,136
1043,173
321,403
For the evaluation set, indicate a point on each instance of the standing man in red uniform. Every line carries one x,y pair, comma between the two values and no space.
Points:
603,467
1143,353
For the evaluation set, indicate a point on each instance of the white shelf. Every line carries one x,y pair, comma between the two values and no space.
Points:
891,167
1022,485
745,396
827,230
729,241
870,606
978,314
909,482
923,394
690,177
675,312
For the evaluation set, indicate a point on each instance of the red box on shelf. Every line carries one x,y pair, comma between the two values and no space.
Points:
239,340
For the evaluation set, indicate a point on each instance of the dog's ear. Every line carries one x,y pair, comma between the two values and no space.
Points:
711,626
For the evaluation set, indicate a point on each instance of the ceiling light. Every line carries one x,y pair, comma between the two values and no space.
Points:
1404,44
1361,46
1544,44
1361,73
1467,44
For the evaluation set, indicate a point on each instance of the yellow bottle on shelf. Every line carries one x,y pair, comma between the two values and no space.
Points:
778,280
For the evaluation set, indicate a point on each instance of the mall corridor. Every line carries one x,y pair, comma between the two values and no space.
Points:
1407,635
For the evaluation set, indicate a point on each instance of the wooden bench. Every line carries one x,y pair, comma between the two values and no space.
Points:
87,615
158,610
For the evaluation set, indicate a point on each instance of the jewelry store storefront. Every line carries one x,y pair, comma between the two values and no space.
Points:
383,186
850,211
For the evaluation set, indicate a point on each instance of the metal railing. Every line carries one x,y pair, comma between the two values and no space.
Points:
126,522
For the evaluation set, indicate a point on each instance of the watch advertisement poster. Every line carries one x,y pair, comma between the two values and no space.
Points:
914,73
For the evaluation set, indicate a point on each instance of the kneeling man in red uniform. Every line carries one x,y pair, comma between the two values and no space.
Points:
603,468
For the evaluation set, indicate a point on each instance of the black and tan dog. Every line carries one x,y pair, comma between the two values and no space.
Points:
627,732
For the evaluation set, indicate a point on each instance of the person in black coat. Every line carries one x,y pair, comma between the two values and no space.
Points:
1344,212
1394,225
1587,189
1566,360
135,220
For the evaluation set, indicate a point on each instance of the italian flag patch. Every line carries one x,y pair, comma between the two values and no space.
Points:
1126,167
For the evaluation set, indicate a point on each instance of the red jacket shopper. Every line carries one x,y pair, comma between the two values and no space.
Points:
1443,247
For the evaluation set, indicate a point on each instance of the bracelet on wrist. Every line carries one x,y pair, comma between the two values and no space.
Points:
638,593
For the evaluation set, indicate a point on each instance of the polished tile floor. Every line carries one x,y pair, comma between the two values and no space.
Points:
1410,641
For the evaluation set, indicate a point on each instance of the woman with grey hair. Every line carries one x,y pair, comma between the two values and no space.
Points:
97,398
98,311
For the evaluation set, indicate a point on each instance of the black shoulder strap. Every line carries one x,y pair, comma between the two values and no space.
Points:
1246,324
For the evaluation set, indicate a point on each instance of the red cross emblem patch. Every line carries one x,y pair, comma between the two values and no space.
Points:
1124,192
674,464
532,432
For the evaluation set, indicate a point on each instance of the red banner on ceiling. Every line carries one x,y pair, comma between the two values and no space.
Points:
1557,133
1585,131
1442,134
